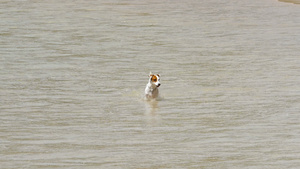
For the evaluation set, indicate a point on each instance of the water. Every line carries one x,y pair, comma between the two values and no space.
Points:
73,75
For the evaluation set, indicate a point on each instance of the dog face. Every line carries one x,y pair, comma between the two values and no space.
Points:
154,80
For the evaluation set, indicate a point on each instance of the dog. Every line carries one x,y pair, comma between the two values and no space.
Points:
151,90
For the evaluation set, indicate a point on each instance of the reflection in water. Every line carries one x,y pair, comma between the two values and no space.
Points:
151,112
151,107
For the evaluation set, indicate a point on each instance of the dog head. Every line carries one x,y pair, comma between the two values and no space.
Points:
154,80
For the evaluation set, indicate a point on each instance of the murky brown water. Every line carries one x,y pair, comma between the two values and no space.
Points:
291,1
73,75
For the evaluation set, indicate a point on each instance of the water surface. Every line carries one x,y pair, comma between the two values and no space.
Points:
73,75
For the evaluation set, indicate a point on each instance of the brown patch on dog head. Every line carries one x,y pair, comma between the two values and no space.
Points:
154,78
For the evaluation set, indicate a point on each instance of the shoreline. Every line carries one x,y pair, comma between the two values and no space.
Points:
291,1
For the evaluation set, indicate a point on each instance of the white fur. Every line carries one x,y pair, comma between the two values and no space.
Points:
151,90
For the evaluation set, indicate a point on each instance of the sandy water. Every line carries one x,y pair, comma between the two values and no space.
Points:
73,75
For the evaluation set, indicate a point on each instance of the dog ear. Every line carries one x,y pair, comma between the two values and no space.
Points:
150,74
158,75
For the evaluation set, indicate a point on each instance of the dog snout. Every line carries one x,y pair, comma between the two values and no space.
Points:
158,85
